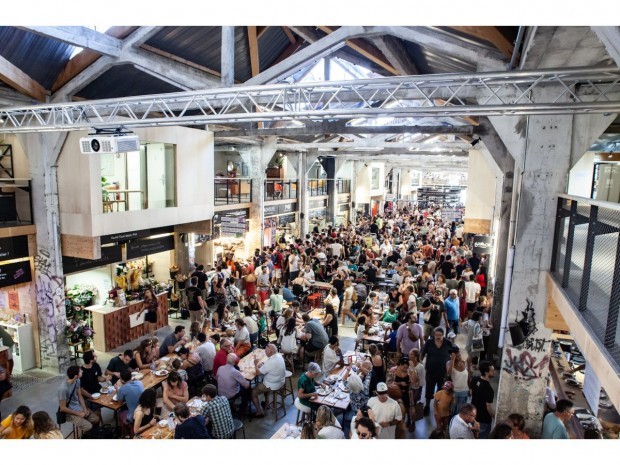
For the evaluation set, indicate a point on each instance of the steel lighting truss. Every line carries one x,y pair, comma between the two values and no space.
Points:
554,91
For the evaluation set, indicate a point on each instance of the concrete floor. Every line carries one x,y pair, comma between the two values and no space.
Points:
43,395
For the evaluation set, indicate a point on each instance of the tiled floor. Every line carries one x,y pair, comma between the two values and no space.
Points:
43,395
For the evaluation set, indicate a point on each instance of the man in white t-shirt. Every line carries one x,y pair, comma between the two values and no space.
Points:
386,411
386,248
473,292
206,351
332,356
273,370
336,249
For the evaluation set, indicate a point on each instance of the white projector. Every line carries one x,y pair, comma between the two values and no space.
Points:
109,144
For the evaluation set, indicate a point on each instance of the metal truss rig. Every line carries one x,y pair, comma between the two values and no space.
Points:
551,92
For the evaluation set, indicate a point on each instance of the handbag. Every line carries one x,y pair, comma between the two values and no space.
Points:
61,417
394,391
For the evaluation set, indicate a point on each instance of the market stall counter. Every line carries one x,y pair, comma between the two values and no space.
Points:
112,325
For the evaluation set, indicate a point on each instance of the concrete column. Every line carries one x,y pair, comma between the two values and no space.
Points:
302,193
228,56
405,182
480,194
257,159
544,161
181,253
43,150
329,165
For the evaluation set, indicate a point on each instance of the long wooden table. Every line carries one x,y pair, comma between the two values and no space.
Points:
246,364
163,432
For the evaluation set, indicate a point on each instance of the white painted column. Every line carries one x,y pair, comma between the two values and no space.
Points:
43,150
228,56
302,193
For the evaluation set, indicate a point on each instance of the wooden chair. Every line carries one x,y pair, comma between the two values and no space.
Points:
275,404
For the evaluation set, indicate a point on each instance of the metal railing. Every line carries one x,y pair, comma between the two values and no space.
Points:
232,190
317,187
343,186
586,263
278,189
15,202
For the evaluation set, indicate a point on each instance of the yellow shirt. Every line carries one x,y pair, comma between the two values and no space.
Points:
443,401
22,432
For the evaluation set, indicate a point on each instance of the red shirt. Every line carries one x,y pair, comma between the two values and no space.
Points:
219,360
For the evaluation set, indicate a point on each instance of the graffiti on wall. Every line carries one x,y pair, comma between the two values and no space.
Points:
525,364
50,300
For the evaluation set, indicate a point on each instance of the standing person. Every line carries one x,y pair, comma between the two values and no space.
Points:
417,380
452,307
554,424
409,335
482,395
474,331
293,264
276,300
434,305
196,303
444,398
473,293
457,371
386,412
436,351
150,307
44,427
72,403
201,280
349,297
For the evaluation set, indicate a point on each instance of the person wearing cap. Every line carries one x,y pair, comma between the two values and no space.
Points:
386,411
306,389
443,405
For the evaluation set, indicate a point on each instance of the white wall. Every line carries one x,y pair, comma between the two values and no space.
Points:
362,186
381,189
480,188
161,263
101,278
82,215
405,182
580,177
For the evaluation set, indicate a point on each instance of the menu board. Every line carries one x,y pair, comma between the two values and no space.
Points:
144,247
483,244
234,223
13,247
110,254
15,273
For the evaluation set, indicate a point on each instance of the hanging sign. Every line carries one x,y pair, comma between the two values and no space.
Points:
15,273
13,247
109,254
483,244
144,247
234,223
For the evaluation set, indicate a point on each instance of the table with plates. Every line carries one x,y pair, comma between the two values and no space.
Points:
317,313
246,364
287,431
161,430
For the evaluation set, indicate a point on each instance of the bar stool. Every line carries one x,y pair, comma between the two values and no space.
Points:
289,390
306,412
238,426
289,360
275,405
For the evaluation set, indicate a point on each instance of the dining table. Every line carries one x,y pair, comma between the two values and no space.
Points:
287,431
246,364
162,430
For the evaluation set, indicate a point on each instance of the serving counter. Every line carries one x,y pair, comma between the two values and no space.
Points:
112,327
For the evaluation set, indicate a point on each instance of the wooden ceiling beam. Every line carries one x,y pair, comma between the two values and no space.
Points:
253,45
85,58
490,34
17,79
79,36
366,50
178,59
289,34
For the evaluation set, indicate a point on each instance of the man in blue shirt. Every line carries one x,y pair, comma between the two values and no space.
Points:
129,392
554,423
189,427
451,306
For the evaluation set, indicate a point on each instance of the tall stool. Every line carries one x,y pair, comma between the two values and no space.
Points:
289,390
303,410
238,426
289,360
275,405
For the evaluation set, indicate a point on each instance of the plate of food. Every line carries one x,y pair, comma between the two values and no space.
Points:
103,390
161,373
115,397
136,375
163,423
96,395
322,391
340,395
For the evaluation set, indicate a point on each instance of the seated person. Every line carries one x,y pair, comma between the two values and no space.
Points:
192,364
332,355
314,337
72,402
273,371
18,425
390,337
5,384
91,377
230,381
176,366
144,414
118,364
129,392
288,294
217,414
175,391
189,427
306,389
242,338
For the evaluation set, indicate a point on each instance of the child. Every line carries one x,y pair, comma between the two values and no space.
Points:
443,405
176,366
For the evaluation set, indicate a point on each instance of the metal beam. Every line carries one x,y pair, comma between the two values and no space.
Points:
342,128
79,36
375,144
591,90
610,37
395,52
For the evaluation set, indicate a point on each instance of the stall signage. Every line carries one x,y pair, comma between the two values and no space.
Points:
15,273
288,207
271,210
144,247
271,223
344,198
343,208
109,254
125,236
234,223
286,219
483,244
450,214
13,247
317,203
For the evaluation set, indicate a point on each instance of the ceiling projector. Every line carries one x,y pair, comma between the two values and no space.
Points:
112,143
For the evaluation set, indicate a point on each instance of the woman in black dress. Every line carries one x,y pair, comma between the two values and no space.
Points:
330,323
150,307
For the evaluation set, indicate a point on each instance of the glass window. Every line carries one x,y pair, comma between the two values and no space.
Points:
139,180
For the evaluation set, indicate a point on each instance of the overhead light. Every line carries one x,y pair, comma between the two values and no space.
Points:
475,141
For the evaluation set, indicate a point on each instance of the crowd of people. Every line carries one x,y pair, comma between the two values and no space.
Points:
410,272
